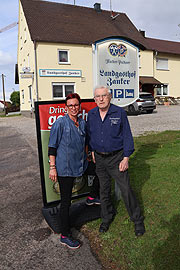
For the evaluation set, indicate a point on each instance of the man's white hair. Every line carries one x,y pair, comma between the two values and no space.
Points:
101,87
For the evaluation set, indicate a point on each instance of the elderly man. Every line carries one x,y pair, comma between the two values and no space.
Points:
111,142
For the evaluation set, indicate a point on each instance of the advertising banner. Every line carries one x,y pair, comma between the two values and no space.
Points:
46,114
116,65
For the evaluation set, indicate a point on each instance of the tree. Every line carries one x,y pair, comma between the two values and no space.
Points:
15,98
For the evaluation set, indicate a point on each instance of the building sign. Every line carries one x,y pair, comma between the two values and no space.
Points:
59,73
115,64
26,69
47,112
27,75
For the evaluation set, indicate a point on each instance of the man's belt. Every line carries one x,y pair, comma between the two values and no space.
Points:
107,154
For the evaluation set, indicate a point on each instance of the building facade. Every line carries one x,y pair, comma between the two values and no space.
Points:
55,52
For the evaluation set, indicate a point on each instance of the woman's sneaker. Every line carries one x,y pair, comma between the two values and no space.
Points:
93,201
69,242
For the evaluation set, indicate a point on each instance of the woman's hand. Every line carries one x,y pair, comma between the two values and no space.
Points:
53,174
93,157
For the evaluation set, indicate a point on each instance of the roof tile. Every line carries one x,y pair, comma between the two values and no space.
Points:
62,23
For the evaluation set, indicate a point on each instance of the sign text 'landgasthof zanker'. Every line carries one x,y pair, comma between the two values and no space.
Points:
116,65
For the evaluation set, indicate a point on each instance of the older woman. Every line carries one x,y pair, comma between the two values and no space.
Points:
67,160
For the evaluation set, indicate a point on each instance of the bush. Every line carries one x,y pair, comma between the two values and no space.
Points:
15,98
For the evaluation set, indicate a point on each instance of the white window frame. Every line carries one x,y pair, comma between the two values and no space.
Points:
162,63
22,93
68,55
162,87
25,35
139,61
63,88
30,93
28,60
21,43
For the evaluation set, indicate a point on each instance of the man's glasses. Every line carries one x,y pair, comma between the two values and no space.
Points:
73,106
101,96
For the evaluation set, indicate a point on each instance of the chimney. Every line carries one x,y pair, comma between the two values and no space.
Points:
142,32
97,7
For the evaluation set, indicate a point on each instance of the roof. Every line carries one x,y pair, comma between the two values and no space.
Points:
148,80
163,46
62,23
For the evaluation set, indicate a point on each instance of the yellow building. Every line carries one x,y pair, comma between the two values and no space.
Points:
161,61
55,52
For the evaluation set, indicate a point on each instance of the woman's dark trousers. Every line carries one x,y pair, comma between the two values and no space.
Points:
66,185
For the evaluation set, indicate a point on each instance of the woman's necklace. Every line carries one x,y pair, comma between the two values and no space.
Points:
75,120
76,123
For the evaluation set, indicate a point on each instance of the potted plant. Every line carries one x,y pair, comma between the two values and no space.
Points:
166,101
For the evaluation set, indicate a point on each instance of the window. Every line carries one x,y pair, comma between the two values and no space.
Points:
62,90
22,96
28,60
25,35
21,43
162,90
139,61
161,63
30,93
63,56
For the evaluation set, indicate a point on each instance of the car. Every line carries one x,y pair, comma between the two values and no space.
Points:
132,108
145,103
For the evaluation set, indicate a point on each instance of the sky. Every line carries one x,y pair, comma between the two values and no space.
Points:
158,18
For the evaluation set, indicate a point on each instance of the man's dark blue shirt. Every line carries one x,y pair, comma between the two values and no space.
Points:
111,134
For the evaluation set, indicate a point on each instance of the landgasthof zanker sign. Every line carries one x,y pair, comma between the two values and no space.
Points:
115,64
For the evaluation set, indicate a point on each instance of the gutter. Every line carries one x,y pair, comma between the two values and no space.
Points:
36,74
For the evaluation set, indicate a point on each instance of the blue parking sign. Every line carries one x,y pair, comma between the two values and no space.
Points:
118,93
129,93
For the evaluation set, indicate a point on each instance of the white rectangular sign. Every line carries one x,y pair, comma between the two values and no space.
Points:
59,73
116,66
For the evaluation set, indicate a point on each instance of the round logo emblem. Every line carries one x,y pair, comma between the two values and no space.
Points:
113,49
117,50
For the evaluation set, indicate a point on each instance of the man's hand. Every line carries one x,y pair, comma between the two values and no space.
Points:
123,165
53,174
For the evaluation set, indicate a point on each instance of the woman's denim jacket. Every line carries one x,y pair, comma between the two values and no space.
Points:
69,142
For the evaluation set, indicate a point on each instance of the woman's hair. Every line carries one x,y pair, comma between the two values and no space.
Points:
73,95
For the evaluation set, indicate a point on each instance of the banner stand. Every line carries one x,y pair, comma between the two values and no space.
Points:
80,214
46,113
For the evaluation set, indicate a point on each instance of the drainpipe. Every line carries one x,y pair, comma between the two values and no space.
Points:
36,74
154,62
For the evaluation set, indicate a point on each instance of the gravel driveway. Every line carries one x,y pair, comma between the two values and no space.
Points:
163,118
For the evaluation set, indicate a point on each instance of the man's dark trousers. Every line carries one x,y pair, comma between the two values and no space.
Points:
107,167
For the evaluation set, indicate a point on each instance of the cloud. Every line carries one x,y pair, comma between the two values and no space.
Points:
6,58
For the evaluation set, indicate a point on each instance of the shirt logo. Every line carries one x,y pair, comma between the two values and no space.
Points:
114,121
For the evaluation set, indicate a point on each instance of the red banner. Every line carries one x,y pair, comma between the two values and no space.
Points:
49,113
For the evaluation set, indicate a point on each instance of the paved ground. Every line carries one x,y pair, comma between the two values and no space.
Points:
26,241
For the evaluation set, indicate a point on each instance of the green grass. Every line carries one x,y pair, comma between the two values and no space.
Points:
13,115
155,178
